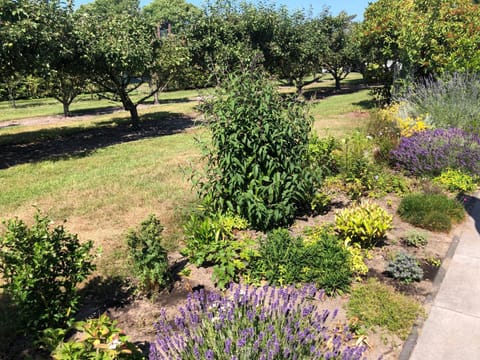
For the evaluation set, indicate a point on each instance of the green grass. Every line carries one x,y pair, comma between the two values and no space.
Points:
114,188
341,114
376,304
83,104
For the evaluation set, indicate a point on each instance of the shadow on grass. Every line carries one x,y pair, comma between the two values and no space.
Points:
321,92
66,142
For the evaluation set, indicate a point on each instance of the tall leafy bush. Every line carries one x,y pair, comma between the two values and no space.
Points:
258,163
41,267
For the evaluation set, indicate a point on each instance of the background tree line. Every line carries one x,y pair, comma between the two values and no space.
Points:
112,47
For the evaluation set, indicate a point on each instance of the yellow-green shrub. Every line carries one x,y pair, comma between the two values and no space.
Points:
365,224
357,259
407,124
456,180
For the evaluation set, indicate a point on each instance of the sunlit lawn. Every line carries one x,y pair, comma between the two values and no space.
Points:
114,188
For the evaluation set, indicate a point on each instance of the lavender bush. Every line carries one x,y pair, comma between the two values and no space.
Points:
432,151
253,323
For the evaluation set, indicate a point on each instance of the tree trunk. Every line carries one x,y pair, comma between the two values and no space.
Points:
337,82
128,105
66,108
11,96
155,98
134,117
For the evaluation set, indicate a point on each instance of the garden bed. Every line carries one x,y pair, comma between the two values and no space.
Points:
136,315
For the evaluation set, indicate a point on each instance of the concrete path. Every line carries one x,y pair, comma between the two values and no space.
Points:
452,329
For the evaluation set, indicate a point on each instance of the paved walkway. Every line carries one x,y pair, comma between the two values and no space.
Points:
452,329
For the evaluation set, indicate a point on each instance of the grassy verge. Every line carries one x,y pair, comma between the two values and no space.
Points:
113,188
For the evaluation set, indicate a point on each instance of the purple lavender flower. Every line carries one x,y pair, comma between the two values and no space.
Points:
432,151
286,322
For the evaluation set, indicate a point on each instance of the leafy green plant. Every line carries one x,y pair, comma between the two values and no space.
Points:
456,180
365,224
416,238
434,212
41,268
320,202
377,304
355,156
149,257
321,156
405,267
99,339
385,134
284,259
211,241
258,162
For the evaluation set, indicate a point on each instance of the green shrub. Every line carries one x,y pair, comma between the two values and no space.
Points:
434,212
416,238
284,259
211,241
355,157
258,163
405,267
100,339
376,304
149,257
455,180
41,268
320,203
321,156
385,134
365,224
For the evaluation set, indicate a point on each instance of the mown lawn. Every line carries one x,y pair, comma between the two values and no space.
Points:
111,189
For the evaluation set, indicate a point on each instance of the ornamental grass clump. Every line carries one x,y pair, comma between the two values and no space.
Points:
253,323
435,212
430,152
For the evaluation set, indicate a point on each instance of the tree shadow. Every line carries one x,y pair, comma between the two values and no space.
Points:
103,293
472,207
321,92
67,142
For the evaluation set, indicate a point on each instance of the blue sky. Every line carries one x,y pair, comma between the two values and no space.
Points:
351,7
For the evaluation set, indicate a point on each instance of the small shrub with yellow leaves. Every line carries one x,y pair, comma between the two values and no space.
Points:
366,224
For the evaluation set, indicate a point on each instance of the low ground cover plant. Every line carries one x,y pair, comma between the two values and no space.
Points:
98,338
416,238
456,181
284,259
41,267
431,152
404,267
365,224
435,212
377,304
253,323
150,260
